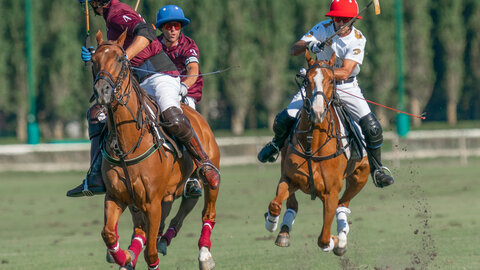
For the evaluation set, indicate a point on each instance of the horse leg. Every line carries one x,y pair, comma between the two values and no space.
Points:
138,237
354,184
153,216
176,223
275,207
205,259
283,238
109,233
166,208
326,241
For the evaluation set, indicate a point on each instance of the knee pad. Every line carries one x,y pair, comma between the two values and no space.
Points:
97,119
177,124
371,130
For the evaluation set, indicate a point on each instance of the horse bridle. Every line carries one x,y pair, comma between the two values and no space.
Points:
105,75
307,102
116,86
307,153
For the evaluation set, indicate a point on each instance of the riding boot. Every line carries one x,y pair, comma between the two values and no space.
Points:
281,127
179,126
93,182
373,137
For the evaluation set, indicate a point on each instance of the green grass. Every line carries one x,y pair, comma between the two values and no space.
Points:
427,220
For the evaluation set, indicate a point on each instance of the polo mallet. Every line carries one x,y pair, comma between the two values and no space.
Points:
87,39
375,3
136,6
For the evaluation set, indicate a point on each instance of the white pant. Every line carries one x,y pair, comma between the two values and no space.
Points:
164,88
190,101
358,107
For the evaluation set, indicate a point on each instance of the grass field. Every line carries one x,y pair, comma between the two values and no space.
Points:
428,220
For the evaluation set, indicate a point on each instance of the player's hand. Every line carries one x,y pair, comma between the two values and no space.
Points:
87,53
316,46
183,89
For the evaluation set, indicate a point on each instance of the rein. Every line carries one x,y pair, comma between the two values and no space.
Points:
332,129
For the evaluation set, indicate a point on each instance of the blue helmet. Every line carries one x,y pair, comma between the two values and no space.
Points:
171,13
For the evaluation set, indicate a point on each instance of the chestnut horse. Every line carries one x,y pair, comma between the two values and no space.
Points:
138,173
315,161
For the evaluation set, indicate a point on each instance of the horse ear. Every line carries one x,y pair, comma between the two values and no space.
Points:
309,59
99,37
332,60
121,38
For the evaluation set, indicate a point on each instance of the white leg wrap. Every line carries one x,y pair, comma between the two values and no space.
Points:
330,247
289,219
342,240
342,222
204,254
271,222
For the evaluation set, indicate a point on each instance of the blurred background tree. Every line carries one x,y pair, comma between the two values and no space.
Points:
442,57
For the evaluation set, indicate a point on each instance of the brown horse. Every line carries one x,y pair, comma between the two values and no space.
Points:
137,173
315,162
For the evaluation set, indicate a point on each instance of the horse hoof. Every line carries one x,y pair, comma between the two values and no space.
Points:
283,240
109,258
127,267
340,251
205,259
162,247
206,265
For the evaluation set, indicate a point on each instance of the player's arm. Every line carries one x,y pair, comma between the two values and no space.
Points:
144,34
298,48
344,72
192,70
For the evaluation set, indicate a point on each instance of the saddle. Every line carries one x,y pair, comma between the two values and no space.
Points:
353,135
162,138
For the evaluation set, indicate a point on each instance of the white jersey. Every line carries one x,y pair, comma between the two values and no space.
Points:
351,46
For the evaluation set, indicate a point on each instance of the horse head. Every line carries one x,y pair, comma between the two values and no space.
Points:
320,87
110,68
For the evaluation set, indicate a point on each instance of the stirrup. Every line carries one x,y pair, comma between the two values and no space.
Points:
201,169
276,155
381,169
272,157
85,190
187,196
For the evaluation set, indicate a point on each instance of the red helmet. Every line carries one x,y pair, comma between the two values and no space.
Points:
343,8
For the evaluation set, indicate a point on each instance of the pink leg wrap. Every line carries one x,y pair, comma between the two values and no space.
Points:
117,254
204,240
170,234
136,246
153,266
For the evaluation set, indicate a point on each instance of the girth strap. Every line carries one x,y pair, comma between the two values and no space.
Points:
128,162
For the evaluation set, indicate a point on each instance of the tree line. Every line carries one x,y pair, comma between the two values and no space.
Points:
441,54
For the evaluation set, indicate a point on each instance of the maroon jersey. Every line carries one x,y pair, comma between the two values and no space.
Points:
120,17
185,52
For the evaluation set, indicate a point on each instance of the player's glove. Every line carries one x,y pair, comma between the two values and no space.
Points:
87,53
183,89
316,46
